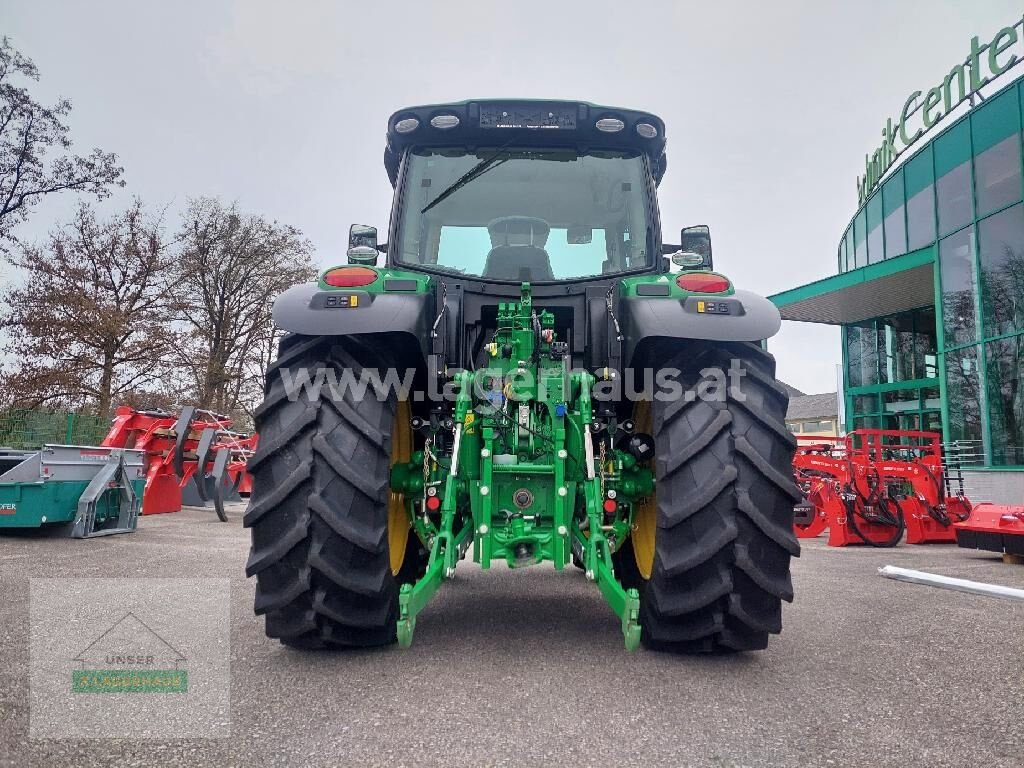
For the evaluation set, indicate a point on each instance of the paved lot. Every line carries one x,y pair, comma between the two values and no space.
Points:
527,668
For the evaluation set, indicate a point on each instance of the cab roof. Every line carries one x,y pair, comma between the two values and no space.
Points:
525,122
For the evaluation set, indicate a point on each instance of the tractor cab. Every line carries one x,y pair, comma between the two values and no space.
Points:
517,191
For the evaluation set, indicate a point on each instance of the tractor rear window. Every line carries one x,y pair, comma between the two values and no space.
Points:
526,215
466,249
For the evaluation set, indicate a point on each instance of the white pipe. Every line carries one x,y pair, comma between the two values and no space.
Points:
945,582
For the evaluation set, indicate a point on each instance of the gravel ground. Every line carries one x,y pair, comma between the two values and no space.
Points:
528,668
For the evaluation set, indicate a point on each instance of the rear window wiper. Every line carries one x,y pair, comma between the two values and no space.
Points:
475,172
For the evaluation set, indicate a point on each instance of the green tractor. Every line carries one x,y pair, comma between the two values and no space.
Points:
532,376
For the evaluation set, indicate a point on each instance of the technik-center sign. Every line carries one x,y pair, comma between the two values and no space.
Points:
963,82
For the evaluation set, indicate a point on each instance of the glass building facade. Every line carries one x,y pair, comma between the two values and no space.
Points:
953,209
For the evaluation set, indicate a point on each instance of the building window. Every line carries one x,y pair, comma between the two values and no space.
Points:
895,234
931,421
865,422
861,355
926,360
860,239
901,400
998,175
963,396
890,422
1001,252
954,197
896,345
953,190
918,177
956,264
817,427
894,224
995,138
1006,399
921,220
876,243
865,404
848,243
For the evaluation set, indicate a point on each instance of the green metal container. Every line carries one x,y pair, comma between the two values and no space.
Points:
50,486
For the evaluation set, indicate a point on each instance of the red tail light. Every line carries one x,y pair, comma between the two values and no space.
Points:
702,282
349,277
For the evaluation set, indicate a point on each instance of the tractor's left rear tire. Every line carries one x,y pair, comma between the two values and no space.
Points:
320,512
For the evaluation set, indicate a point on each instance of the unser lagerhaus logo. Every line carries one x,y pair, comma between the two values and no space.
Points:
129,657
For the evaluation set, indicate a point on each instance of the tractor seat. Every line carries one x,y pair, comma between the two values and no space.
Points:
525,263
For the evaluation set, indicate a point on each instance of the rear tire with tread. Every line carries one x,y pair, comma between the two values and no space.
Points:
725,495
319,507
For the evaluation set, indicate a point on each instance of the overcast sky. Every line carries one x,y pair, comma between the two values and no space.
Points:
770,107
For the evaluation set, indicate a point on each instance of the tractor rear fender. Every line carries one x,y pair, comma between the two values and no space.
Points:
741,316
309,310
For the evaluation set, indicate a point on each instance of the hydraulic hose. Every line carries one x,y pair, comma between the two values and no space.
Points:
898,523
939,515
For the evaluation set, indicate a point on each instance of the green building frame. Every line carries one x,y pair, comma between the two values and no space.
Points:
926,218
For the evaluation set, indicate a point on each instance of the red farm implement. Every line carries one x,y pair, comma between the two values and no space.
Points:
821,471
194,445
993,527
872,485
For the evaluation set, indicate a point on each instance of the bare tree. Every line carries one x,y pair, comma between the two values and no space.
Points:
30,131
91,324
231,267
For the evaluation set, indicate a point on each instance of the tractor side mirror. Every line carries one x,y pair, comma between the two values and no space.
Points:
696,240
362,245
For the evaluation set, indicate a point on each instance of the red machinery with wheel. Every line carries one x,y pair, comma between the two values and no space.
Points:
870,486
844,493
193,445
820,470
911,465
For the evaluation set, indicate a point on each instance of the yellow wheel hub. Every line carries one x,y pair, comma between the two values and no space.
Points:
398,518
645,515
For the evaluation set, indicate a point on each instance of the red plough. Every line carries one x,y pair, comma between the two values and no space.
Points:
194,445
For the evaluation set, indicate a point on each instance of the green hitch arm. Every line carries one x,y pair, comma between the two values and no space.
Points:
447,547
562,510
625,603
486,499
591,482
597,554
413,598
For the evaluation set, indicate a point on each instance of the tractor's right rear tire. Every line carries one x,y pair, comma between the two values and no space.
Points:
319,507
717,564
